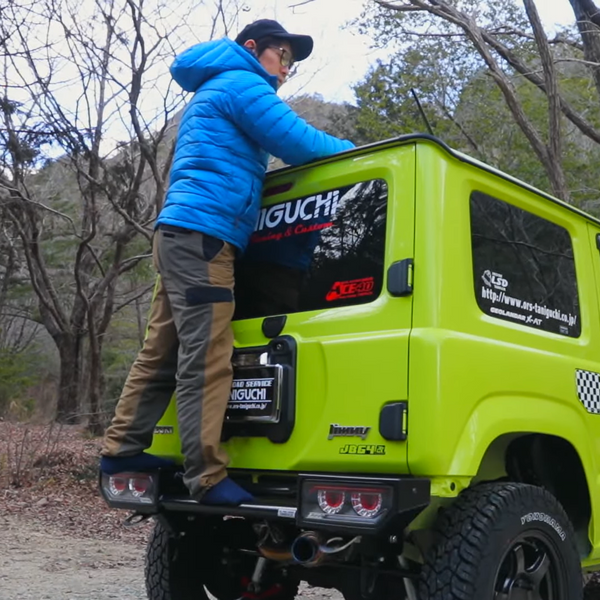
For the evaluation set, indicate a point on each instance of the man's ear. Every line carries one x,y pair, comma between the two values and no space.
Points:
251,45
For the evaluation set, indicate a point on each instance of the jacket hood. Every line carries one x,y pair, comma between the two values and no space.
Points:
202,62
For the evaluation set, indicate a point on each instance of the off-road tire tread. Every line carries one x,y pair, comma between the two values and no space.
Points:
160,554
462,533
156,568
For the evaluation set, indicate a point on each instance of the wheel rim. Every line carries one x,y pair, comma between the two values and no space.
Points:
530,570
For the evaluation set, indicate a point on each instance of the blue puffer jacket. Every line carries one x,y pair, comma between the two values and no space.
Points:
227,130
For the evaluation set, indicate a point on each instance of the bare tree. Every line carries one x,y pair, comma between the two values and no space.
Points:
588,23
81,203
495,44
17,327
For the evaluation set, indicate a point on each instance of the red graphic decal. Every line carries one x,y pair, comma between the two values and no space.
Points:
258,237
299,229
351,289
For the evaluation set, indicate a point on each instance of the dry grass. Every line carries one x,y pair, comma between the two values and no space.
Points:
49,474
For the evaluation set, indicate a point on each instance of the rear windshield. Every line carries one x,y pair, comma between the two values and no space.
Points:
315,252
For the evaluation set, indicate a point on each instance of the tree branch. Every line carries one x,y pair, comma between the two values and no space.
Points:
520,67
554,146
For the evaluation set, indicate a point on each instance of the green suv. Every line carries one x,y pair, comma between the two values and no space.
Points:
416,397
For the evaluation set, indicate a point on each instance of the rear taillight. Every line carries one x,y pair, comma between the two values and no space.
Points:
129,489
367,504
140,485
331,501
117,485
356,504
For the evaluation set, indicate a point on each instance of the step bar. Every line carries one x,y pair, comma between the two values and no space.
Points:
254,510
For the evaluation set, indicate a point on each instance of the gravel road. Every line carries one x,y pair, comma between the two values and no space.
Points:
42,564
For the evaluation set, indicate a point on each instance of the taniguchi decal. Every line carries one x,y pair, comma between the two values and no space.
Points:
296,217
303,209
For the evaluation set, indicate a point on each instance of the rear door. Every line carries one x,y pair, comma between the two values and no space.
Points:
324,244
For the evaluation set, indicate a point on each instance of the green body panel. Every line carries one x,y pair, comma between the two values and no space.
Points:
469,378
474,378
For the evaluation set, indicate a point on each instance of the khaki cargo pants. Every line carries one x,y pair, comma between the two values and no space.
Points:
187,350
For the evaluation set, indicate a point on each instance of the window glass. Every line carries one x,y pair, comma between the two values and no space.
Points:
315,252
524,267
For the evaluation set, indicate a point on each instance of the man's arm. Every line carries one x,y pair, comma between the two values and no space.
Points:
270,122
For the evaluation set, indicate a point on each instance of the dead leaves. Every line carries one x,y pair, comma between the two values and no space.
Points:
49,474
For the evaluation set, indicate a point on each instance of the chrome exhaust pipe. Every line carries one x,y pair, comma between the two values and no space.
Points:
307,549
310,549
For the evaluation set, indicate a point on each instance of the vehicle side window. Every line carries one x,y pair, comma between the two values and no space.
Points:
524,270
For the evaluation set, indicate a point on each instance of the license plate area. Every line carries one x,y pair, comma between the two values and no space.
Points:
274,361
255,394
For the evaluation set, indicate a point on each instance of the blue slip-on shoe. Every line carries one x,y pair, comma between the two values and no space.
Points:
226,493
137,463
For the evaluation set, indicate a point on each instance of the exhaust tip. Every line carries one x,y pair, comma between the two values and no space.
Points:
304,549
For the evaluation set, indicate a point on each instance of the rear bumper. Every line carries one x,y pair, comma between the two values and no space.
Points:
277,502
255,511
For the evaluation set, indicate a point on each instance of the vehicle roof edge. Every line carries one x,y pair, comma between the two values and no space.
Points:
425,137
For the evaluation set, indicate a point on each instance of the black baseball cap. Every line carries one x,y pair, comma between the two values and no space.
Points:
302,45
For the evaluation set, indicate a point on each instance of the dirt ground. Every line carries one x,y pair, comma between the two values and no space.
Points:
58,539
45,564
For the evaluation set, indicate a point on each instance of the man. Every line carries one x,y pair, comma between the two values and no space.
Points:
234,120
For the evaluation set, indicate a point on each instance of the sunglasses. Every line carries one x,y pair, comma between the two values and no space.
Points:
285,56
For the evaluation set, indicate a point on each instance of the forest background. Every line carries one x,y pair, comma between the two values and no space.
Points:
88,118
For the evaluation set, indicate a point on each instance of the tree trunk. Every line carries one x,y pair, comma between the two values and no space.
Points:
67,407
588,22
141,327
95,389
96,333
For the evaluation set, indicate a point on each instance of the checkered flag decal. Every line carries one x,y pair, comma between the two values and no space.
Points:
588,390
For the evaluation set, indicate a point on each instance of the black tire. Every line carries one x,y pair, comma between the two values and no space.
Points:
170,572
496,541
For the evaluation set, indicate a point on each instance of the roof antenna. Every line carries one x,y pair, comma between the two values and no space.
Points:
412,91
